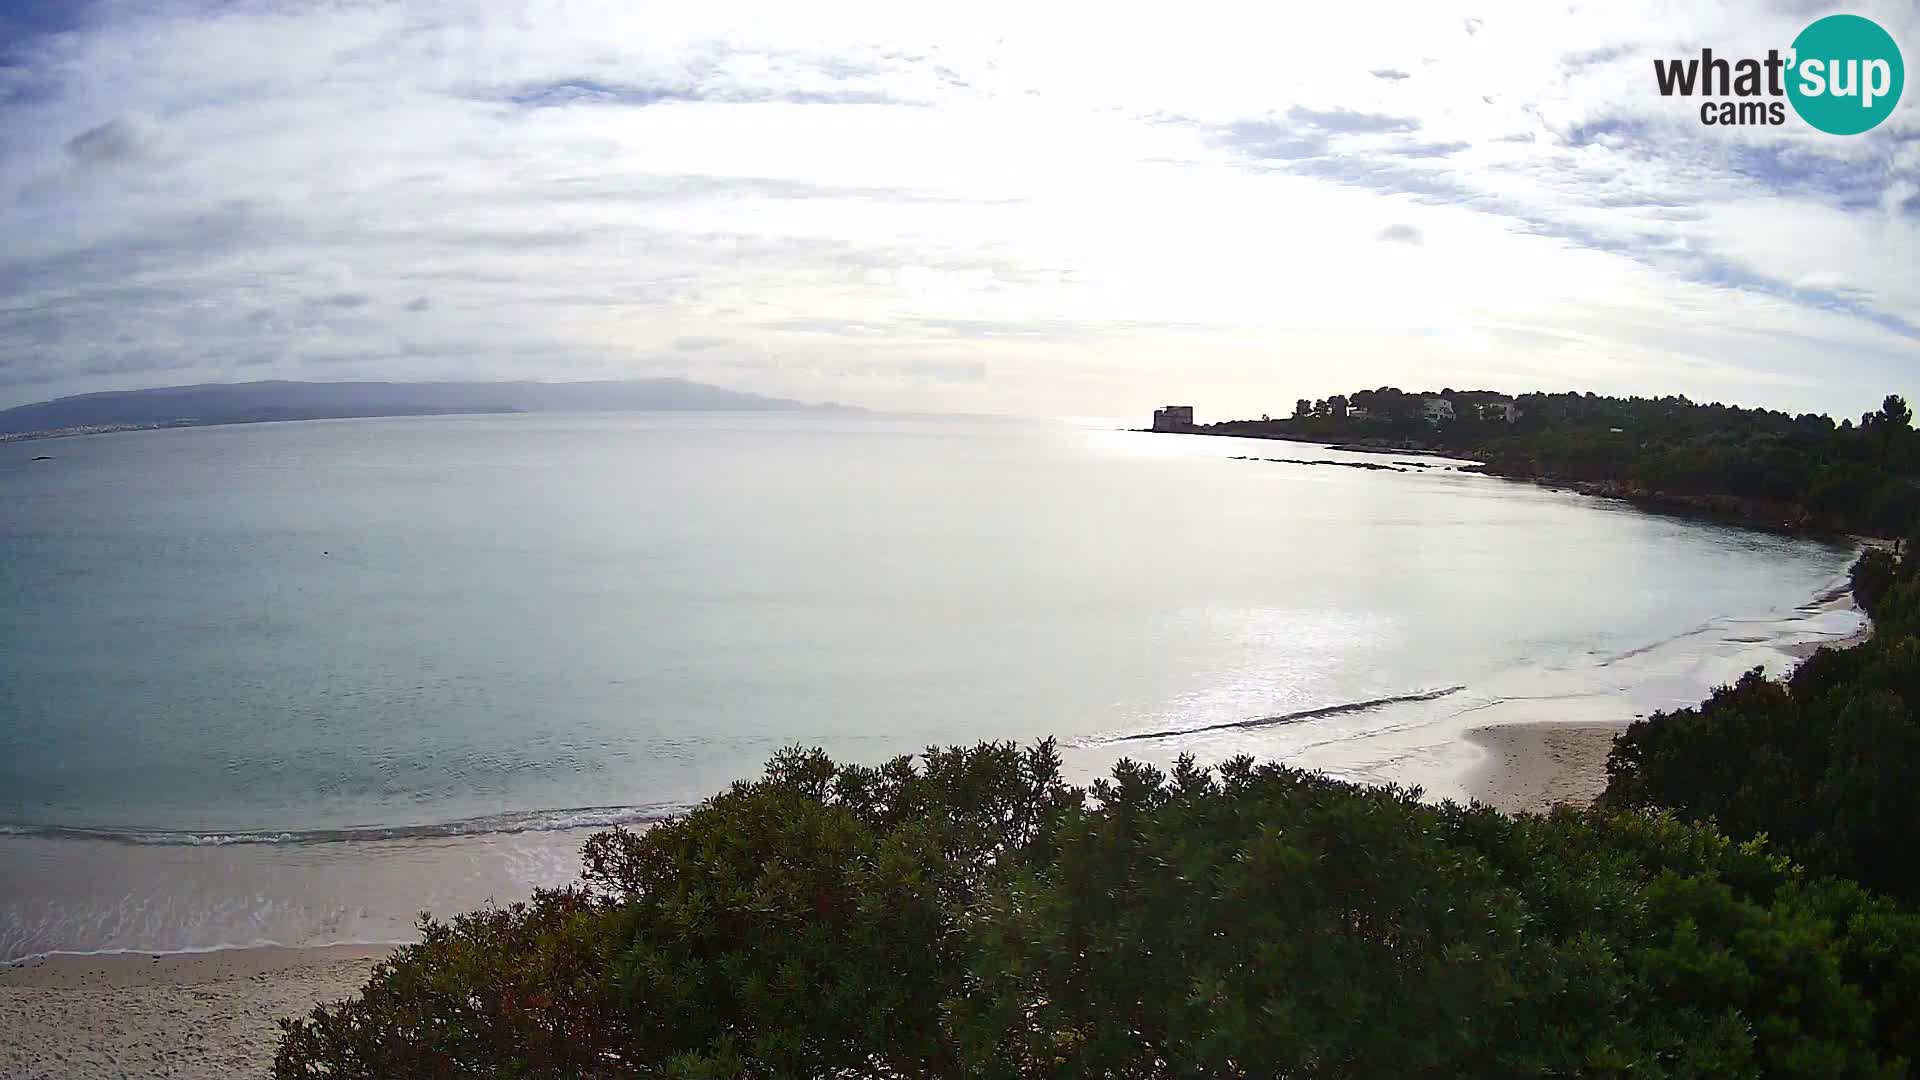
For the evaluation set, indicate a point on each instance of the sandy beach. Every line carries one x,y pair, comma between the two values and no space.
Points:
212,1014
185,1015
1531,768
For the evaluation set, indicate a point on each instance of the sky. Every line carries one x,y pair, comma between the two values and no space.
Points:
1051,208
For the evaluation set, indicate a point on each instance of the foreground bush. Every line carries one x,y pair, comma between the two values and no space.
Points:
1826,764
975,916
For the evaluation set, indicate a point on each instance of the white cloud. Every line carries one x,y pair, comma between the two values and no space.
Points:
1029,208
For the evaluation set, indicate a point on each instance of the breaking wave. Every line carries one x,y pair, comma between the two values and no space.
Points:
527,821
1292,717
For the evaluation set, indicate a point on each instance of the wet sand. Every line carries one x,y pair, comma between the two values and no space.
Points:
212,1014
1808,648
1531,768
185,1015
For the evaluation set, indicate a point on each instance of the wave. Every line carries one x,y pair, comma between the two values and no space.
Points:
603,817
1652,645
524,821
1839,591
203,950
1292,717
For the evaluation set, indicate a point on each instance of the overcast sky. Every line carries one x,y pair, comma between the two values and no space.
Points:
1034,207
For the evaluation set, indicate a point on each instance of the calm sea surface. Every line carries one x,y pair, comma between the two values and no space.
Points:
294,682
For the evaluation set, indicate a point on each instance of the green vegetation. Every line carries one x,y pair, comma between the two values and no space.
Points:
1825,765
1756,465
976,916
1739,903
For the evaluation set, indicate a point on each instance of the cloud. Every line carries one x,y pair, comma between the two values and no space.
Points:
587,92
1270,139
1347,120
590,92
952,209
1307,133
118,141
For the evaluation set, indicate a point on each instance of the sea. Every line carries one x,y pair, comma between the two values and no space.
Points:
296,683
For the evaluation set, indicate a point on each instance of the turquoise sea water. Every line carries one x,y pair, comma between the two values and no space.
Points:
293,682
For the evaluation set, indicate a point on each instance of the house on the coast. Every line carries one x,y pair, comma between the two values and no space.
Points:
1435,410
1505,411
1173,418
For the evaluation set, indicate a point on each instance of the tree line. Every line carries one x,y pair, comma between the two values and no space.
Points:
1825,764
1739,902
970,914
1759,465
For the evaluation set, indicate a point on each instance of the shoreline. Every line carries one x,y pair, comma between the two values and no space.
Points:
1730,511
1388,447
190,1015
1531,766
213,1013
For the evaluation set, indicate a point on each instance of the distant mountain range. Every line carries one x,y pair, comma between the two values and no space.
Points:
254,402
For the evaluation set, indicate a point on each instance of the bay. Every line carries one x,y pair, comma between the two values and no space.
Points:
291,682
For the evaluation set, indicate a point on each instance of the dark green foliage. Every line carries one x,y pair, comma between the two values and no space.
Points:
1755,465
511,992
1826,764
975,916
1872,576
972,915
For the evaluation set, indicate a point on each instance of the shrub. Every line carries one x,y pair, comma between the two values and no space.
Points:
1872,575
973,915
1826,764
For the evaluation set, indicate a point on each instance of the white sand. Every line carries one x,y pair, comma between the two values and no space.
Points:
1532,767
212,1014
183,1015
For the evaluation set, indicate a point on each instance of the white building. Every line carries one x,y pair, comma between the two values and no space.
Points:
1500,410
1436,409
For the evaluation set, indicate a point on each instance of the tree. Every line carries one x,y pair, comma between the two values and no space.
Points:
971,915
1759,466
1825,764
1302,408
1873,574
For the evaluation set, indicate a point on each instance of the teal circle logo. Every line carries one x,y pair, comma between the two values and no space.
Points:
1846,74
